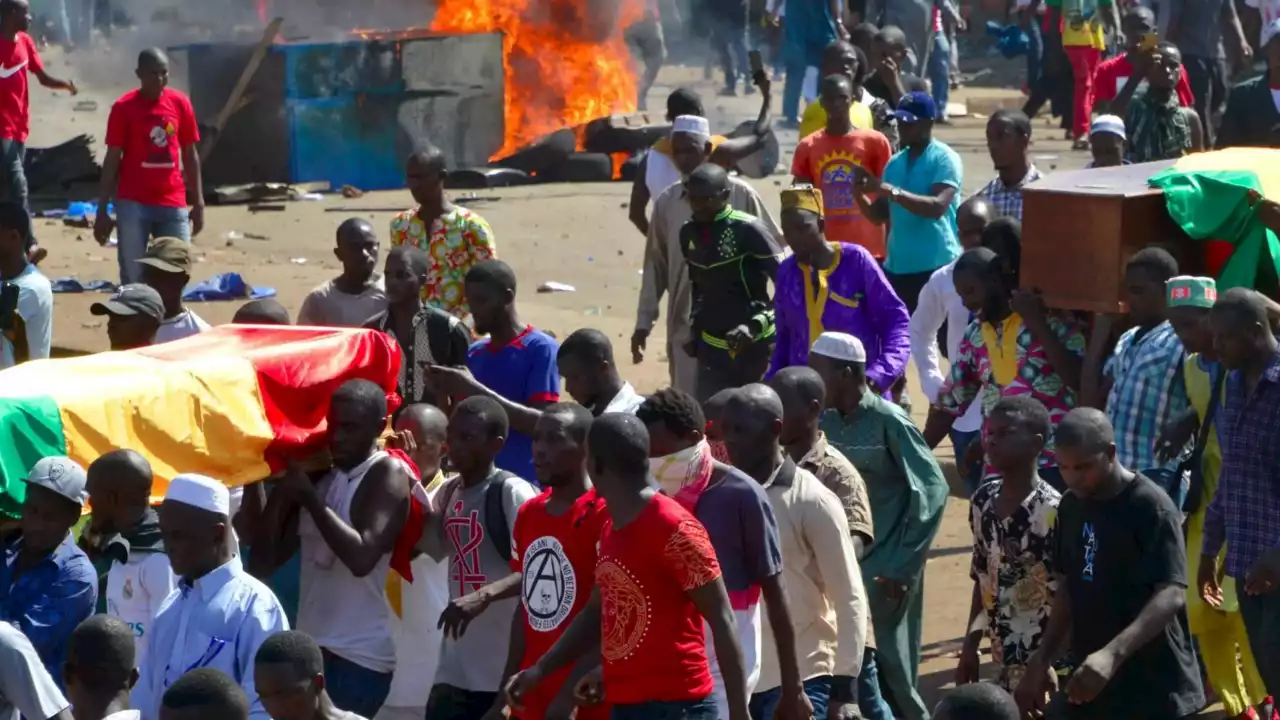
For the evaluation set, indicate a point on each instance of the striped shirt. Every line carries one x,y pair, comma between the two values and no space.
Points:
1147,391
1245,512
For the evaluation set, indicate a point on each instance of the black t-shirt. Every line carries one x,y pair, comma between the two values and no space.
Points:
1114,553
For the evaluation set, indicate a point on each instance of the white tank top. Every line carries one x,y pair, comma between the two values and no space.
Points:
346,615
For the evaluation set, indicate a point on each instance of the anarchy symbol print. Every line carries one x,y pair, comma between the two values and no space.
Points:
550,584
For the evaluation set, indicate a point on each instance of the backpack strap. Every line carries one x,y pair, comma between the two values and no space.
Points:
495,515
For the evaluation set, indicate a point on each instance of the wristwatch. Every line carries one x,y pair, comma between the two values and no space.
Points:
894,193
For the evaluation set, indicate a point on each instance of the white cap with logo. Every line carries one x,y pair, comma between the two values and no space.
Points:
61,475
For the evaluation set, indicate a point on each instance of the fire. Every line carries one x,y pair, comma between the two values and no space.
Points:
565,61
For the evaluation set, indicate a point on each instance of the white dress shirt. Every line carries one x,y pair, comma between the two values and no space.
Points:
939,303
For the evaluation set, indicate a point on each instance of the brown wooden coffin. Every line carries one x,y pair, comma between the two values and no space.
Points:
1079,228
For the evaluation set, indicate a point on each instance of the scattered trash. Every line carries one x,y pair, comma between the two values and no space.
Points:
231,236
1044,158
313,196
593,311
70,284
226,286
54,213
267,207
85,106
351,193
553,286
257,192
92,324
256,236
298,261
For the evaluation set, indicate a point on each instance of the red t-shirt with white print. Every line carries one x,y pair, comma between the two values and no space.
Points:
651,634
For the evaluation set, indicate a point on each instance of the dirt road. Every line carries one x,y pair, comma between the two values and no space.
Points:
575,234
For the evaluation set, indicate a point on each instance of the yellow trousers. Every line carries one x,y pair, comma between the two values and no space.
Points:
1224,645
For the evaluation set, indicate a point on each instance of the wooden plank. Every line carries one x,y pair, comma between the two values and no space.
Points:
233,100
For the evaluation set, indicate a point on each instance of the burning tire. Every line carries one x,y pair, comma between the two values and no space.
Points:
581,167
543,154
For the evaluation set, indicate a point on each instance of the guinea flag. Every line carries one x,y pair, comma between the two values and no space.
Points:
234,403
1212,195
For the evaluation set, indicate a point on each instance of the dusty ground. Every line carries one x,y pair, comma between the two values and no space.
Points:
577,234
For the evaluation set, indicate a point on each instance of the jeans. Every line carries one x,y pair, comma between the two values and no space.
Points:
764,704
704,709
1261,614
136,224
971,477
450,703
729,37
13,178
718,370
1208,80
940,71
870,702
355,688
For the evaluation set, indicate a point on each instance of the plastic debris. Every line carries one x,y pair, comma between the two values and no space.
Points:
554,287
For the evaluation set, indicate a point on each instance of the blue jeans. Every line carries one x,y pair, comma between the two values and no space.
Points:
729,35
355,688
704,709
940,71
765,703
13,178
136,224
971,477
870,702
450,703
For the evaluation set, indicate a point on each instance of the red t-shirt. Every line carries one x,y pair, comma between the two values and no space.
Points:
557,556
829,162
17,57
650,631
1112,74
152,135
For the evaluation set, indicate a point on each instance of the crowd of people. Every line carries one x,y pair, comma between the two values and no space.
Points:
526,535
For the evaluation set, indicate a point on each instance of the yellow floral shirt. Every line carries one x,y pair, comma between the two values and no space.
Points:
456,241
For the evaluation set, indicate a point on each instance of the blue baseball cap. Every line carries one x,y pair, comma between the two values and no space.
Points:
916,106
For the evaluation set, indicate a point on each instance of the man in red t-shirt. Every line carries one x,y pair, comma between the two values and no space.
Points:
152,167
827,160
555,540
656,580
1112,74
18,55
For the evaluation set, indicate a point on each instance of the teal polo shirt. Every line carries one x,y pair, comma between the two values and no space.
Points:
918,244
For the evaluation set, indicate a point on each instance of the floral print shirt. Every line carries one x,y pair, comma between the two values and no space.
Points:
456,241
973,374
1012,566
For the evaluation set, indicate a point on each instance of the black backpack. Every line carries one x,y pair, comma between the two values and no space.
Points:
495,515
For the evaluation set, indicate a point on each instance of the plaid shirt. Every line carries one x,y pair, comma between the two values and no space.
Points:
1008,200
1245,511
1147,391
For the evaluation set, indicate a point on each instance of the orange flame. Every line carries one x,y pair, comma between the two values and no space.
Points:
565,63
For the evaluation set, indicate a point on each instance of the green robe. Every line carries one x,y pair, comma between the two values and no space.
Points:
908,492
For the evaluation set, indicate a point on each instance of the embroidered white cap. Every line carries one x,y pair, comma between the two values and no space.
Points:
692,125
1107,125
200,492
61,475
1269,31
840,346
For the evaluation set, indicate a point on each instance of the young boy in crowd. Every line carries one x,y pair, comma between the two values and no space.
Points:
1141,380
1012,519
469,530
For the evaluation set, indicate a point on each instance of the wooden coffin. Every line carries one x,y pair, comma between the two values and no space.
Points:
1079,228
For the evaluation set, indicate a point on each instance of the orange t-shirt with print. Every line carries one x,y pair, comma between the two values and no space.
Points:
828,162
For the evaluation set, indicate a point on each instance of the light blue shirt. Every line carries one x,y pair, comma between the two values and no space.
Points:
220,621
918,244
35,307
